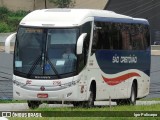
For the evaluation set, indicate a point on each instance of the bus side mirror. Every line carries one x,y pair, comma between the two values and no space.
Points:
80,43
8,41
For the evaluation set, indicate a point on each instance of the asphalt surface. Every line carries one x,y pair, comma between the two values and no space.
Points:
155,78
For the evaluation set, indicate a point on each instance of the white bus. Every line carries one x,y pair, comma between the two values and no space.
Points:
80,56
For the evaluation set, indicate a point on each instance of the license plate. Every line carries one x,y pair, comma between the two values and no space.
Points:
42,95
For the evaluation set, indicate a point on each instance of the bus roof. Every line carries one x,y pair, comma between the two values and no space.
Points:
72,17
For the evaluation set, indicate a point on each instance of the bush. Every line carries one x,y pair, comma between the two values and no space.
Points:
3,13
18,13
9,20
4,27
13,22
4,10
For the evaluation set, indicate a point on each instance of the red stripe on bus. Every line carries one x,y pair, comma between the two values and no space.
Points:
118,80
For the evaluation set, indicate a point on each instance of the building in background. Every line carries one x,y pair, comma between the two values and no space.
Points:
148,9
30,5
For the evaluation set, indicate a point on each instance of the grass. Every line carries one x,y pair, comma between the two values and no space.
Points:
155,107
150,99
12,101
125,110
89,118
24,101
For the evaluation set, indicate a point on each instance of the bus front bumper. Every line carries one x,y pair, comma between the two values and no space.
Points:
72,93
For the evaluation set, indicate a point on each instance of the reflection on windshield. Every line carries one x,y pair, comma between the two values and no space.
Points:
49,52
59,40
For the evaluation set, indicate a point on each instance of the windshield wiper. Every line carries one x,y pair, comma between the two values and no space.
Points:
34,66
53,68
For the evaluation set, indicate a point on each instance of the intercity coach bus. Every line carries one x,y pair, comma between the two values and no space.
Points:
110,57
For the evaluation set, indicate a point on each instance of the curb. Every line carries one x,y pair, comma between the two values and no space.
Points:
155,52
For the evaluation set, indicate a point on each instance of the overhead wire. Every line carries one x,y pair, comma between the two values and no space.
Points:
123,6
146,9
137,7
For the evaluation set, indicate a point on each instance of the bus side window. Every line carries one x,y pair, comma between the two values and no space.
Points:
95,41
82,59
126,37
138,40
97,37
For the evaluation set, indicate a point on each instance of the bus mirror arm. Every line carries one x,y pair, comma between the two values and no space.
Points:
8,41
80,43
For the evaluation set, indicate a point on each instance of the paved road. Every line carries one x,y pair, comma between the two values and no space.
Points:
155,77
5,76
24,106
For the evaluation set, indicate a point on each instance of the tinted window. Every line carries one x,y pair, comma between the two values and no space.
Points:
120,36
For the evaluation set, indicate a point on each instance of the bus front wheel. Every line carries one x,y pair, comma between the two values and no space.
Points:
33,104
92,96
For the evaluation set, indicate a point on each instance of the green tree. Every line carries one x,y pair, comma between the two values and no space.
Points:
63,3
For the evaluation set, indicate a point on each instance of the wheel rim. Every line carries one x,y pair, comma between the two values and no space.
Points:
133,96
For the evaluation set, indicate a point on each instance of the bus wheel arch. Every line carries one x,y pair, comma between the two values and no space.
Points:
132,96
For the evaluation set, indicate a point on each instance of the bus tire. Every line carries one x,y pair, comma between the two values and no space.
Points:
90,102
132,99
77,104
33,104
121,102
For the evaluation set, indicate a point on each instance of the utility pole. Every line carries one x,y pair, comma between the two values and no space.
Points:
45,3
62,3
34,5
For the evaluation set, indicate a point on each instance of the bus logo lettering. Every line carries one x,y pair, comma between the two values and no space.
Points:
131,59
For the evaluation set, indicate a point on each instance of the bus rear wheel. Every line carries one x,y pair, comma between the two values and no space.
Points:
132,99
33,104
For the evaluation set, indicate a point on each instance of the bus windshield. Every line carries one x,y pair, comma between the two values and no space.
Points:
45,53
